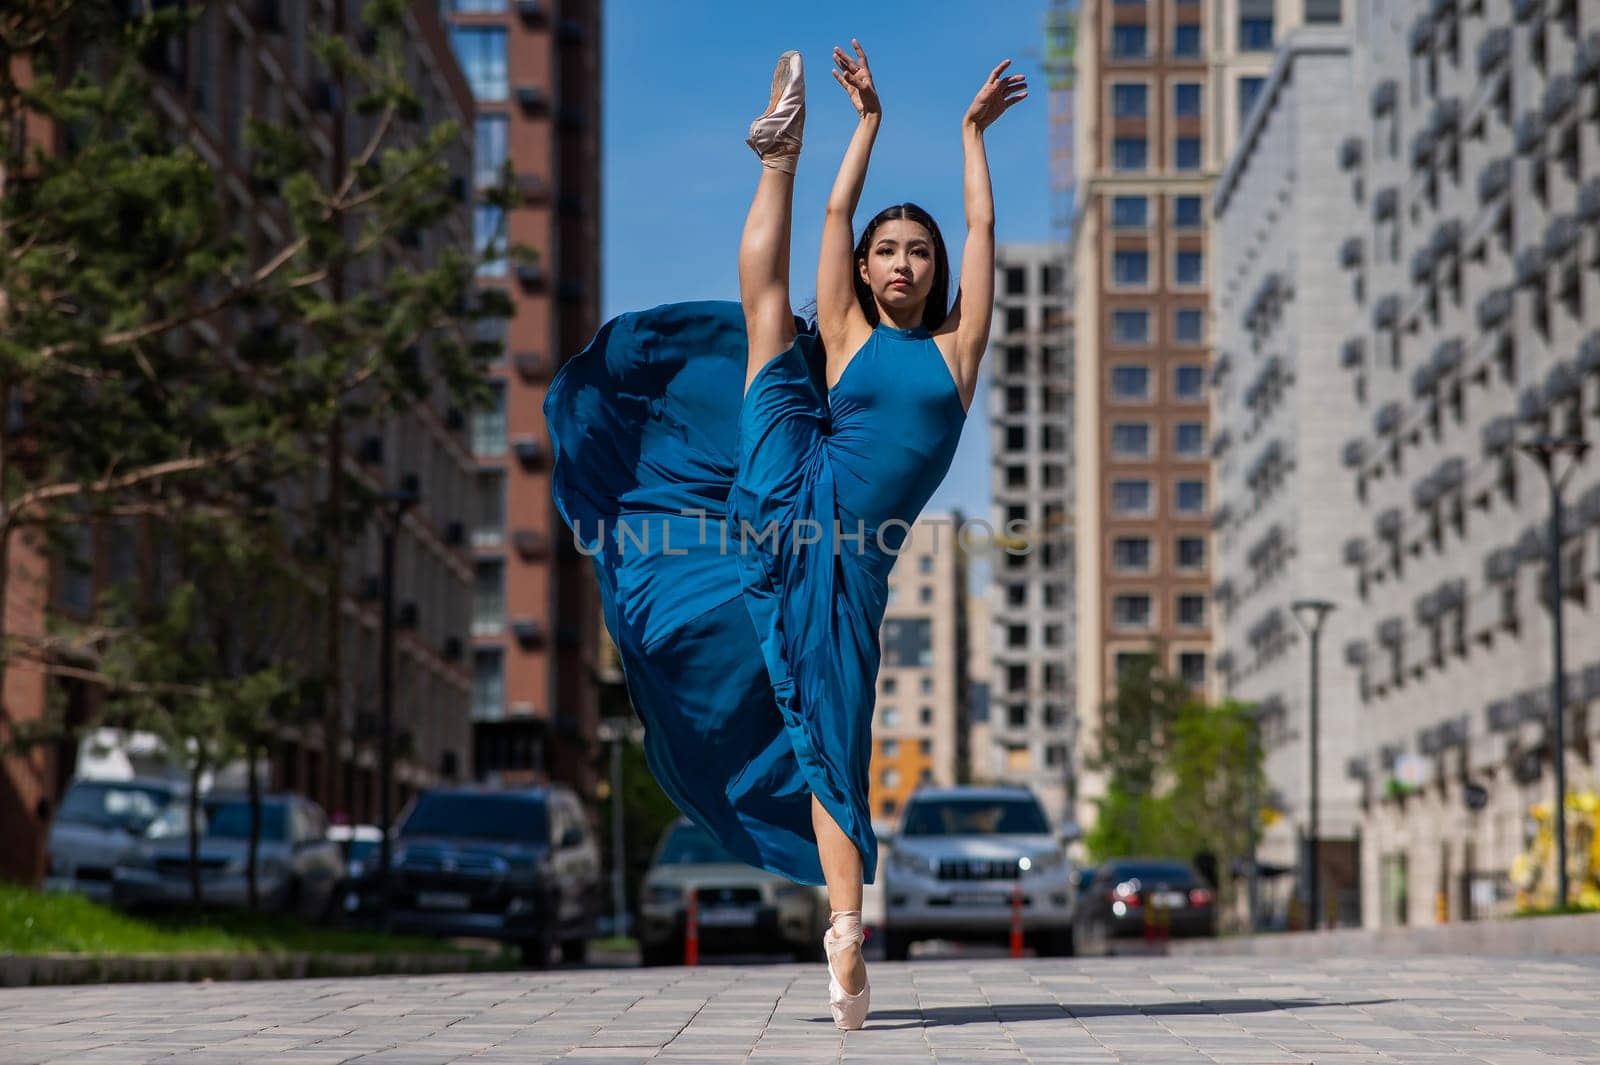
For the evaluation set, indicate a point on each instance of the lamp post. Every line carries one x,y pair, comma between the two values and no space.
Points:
1311,613
393,506
1544,449
615,731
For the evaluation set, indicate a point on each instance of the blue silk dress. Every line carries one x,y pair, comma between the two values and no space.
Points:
742,543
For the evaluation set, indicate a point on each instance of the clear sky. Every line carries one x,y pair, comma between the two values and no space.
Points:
683,79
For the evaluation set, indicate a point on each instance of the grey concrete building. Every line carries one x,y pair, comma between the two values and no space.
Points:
1031,689
1471,175
1281,408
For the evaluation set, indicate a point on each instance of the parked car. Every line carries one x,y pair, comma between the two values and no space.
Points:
1124,892
740,908
358,846
297,866
950,870
520,866
100,821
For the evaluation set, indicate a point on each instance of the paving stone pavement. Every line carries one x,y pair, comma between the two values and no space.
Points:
1139,1011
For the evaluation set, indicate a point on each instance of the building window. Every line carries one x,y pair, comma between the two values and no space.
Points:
925,565
925,594
1016,319
1016,281
1017,715
1130,496
1016,476
1189,268
1130,440
1016,437
925,747
891,748
1129,153
1130,382
1255,29
489,237
1131,212
1130,269
925,715
1192,667
1186,40
1016,635
907,642
1131,611
1016,399
1051,279
1186,99
1249,91
1186,212
1130,327
889,716
1128,660
888,807
481,51
1129,41
1186,153
1322,11
891,777
1190,552
1189,382
925,685
1130,554
1189,326
1190,497
490,530
1191,610
488,685
1189,439
489,424
489,149
1130,100
489,598
1017,678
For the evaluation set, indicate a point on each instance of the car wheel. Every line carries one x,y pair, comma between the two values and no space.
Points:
1057,943
536,952
575,950
659,954
896,945
810,951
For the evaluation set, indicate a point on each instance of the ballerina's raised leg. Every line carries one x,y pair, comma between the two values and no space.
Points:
764,247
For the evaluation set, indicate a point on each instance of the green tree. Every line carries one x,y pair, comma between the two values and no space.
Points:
1217,784
1135,730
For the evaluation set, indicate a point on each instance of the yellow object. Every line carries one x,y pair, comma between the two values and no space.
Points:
1534,872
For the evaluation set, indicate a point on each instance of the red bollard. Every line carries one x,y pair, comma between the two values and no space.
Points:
1016,920
691,931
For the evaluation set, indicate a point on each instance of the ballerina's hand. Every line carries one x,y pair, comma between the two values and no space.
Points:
856,79
996,97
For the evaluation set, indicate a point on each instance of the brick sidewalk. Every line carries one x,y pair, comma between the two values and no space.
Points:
1142,1011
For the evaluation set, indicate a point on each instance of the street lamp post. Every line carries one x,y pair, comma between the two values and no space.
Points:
1544,449
1311,613
615,731
394,505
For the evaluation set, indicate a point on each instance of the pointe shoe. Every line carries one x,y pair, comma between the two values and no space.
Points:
775,136
849,1011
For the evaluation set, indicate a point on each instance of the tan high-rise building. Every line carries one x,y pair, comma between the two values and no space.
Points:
1161,88
920,727
534,68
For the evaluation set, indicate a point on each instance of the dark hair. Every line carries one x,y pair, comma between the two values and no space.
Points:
938,305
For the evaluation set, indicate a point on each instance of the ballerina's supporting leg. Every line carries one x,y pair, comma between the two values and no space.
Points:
841,867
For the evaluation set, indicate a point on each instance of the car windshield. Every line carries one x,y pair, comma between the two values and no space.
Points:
510,819
231,820
693,845
114,805
975,817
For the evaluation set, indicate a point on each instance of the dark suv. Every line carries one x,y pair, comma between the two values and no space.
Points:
1127,893
520,866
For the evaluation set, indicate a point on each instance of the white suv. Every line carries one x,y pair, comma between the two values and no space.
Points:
951,868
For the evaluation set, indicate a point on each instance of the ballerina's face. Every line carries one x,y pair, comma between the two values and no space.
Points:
899,265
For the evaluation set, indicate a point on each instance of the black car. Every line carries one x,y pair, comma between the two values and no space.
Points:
520,866
1126,894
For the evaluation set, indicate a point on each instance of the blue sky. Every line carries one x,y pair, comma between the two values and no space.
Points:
682,80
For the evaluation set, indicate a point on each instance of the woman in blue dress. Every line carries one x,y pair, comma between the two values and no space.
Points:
744,484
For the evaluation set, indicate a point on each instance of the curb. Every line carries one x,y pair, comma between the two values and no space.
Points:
33,970
1565,934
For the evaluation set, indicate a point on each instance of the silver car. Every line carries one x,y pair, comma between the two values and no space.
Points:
740,909
98,823
952,867
297,865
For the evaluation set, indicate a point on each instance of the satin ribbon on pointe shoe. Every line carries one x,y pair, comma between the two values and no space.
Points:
844,931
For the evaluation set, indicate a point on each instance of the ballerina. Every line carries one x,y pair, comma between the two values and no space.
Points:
754,671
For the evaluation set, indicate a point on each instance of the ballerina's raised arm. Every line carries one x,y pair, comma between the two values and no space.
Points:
841,323
974,303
